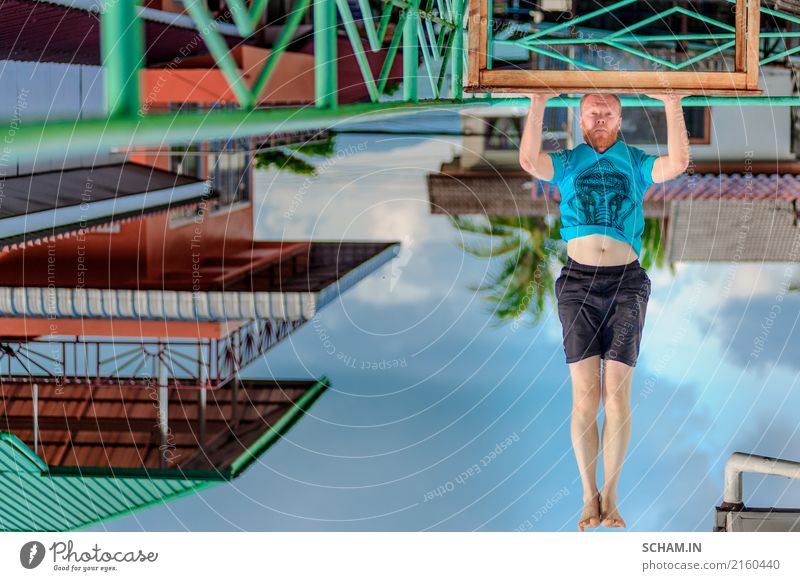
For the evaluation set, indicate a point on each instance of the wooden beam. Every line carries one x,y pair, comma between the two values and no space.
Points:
741,35
614,81
753,34
474,41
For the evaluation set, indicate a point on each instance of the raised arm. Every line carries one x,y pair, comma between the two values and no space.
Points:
676,161
531,157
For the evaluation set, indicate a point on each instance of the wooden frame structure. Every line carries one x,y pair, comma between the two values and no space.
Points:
742,81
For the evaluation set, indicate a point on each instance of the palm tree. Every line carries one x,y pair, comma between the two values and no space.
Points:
652,253
531,248
296,157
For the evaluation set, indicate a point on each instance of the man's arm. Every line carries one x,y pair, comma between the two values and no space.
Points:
531,157
676,161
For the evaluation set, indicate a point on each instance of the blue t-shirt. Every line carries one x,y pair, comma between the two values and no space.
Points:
603,193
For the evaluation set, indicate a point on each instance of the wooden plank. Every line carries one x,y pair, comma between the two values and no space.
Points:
614,81
753,33
473,40
615,91
741,35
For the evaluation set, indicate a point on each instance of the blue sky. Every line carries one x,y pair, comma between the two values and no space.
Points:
375,448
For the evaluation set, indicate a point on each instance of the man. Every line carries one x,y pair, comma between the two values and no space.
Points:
603,290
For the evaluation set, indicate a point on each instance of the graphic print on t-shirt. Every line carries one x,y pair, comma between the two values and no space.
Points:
602,196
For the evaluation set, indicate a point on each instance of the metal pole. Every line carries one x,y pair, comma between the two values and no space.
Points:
234,398
739,463
36,418
163,409
122,48
201,415
411,52
202,396
88,135
457,57
325,77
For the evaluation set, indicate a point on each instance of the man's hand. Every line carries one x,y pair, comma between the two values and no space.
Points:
667,98
676,161
541,97
531,157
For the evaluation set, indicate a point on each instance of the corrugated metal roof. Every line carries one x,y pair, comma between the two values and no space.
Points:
50,203
31,500
35,496
333,267
43,32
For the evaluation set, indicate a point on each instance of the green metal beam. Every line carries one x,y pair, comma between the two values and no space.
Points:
457,62
90,134
219,50
411,52
280,428
325,78
122,48
287,32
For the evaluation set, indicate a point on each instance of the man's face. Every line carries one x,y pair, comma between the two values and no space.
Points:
600,121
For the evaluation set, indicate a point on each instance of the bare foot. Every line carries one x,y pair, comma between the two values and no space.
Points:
610,515
590,517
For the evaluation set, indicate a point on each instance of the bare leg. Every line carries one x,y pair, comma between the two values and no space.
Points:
616,435
585,376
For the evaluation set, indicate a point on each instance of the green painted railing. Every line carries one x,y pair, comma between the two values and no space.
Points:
720,38
430,32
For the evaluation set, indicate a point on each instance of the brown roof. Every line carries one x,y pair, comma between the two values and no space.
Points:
736,230
518,193
43,32
109,427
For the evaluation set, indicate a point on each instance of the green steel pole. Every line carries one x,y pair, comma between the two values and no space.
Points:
325,78
220,51
287,32
489,34
122,48
88,135
457,60
410,52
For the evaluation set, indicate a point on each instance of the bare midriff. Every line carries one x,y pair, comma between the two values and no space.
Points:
599,250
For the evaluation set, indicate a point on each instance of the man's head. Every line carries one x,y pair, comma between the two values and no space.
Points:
600,119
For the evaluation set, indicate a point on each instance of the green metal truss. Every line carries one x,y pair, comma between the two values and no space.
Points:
542,38
431,32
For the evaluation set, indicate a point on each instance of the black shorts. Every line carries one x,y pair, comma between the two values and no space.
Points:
602,310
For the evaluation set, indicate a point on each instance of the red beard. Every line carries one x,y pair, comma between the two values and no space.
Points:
600,140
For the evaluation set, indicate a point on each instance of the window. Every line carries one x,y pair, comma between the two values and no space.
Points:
505,133
648,125
229,170
185,160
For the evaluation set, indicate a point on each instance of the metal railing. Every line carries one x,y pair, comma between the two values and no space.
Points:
188,363
547,38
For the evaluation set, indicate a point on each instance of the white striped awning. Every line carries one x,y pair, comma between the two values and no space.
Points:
182,305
